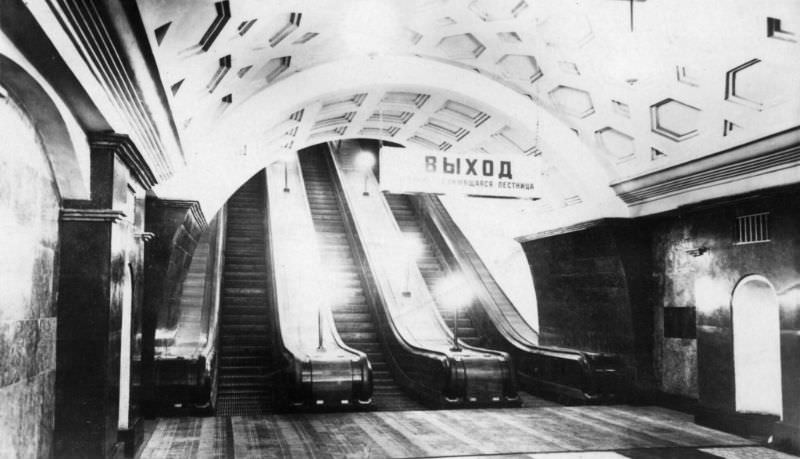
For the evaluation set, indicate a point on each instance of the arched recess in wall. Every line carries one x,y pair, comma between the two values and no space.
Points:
53,131
756,346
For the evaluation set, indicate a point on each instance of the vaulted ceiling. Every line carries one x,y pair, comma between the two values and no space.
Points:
627,87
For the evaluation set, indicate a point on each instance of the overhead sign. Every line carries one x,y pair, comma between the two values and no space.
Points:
412,170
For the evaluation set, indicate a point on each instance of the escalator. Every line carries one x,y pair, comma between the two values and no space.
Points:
244,386
494,322
354,319
422,354
431,263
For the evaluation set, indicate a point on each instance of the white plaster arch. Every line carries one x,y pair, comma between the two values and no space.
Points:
755,314
63,139
220,167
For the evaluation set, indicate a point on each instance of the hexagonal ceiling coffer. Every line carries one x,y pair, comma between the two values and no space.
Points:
756,84
674,119
520,67
616,143
567,30
572,101
497,10
461,46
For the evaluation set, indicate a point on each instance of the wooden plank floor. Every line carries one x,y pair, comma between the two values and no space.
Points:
543,432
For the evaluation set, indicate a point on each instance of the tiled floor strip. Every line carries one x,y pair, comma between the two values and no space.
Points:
592,432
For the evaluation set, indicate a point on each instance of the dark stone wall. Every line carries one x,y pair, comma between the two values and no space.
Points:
29,206
641,288
703,367
101,265
88,343
592,291
177,227
177,230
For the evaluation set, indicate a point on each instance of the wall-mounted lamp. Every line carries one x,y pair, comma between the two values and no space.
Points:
145,236
697,251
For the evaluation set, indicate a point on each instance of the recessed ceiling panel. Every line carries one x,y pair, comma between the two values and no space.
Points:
462,113
572,101
616,143
461,46
497,10
674,119
520,67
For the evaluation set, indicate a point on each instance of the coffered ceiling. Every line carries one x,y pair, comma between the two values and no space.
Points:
641,85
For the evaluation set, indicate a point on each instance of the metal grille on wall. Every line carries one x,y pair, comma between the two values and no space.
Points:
752,228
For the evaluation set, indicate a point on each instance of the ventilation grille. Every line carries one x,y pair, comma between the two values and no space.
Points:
753,228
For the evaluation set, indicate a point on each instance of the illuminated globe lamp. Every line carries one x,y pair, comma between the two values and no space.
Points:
364,162
453,293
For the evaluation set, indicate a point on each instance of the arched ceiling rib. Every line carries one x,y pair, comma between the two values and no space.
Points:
690,79
489,121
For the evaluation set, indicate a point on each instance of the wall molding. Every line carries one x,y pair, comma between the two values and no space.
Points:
122,146
92,215
762,156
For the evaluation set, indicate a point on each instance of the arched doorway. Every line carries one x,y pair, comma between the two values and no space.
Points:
756,346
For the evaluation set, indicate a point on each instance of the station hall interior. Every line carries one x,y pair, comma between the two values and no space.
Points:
424,228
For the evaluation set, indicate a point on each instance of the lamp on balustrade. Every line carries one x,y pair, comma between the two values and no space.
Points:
364,162
413,251
285,157
453,293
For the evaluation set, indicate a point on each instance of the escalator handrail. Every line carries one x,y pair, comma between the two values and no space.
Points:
430,208
328,313
289,361
382,286
456,241
373,288
440,320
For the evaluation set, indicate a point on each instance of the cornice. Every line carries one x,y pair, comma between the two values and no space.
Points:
762,156
192,207
571,229
123,146
92,215
96,40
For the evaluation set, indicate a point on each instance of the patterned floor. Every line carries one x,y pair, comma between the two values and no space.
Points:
595,432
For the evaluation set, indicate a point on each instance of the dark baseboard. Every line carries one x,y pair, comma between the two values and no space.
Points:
744,424
672,401
787,437
117,451
132,437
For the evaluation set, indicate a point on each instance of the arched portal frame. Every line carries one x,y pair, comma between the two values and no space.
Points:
755,314
63,141
223,164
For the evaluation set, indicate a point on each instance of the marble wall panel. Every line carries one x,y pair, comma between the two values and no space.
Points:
29,208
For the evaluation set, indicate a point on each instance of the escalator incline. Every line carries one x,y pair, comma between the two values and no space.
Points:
352,314
430,263
244,387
